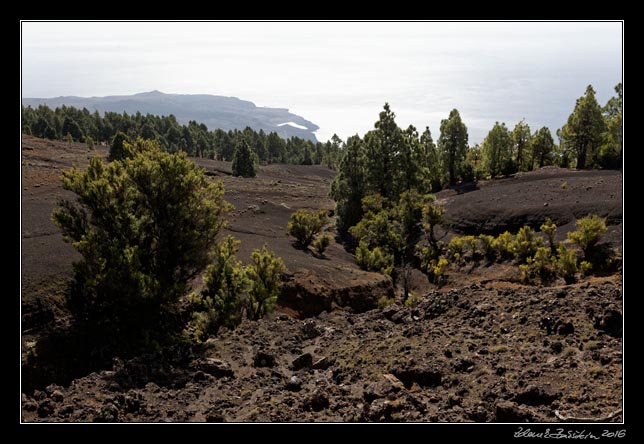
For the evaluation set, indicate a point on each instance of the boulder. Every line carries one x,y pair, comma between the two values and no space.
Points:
310,330
424,375
45,408
29,406
262,359
109,413
304,361
610,322
391,310
215,367
386,387
294,384
57,396
507,411
536,395
318,401
565,328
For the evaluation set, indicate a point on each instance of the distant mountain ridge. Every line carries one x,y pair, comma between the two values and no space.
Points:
222,112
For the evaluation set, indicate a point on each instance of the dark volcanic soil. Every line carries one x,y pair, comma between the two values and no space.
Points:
263,206
528,198
483,348
481,353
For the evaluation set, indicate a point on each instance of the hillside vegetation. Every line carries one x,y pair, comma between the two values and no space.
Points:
428,289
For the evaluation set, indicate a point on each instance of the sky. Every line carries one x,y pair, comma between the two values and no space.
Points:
339,74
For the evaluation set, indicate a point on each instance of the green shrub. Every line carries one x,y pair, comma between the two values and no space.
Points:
566,263
374,259
487,245
264,274
456,246
428,254
438,270
412,300
374,203
138,251
376,228
470,243
199,326
504,245
435,268
586,267
550,229
408,214
432,216
321,243
459,246
544,264
381,236
527,272
202,318
89,142
206,318
304,225
226,282
232,289
589,231
526,243
384,301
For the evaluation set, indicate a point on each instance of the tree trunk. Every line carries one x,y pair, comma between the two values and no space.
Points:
581,156
452,173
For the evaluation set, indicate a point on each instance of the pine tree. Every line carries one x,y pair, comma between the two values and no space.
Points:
348,188
226,281
430,162
275,147
611,150
521,139
497,150
243,161
583,131
89,142
139,252
542,148
306,155
117,151
475,161
409,162
264,274
382,145
452,145
224,145
305,225
72,128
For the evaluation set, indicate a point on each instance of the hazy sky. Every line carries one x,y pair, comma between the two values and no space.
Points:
338,75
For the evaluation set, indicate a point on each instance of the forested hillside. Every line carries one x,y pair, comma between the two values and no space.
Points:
196,139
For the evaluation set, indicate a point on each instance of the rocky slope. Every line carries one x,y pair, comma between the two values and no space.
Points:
486,352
